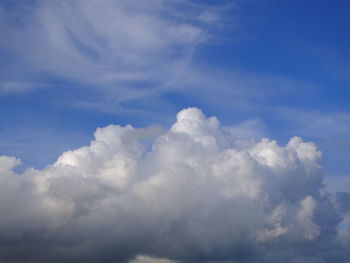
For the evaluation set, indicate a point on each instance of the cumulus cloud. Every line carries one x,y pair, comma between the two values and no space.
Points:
190,194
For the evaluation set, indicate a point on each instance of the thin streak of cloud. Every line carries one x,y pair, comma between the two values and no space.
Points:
105,42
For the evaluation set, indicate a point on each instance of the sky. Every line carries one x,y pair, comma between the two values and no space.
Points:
167,131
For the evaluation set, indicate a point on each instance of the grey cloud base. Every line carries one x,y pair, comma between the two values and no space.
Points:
195,195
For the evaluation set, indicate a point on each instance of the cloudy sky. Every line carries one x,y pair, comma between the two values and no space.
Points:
174,131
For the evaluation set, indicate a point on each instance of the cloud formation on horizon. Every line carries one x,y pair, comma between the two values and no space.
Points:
190,194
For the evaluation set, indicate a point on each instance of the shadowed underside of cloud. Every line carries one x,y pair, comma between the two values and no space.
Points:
190,194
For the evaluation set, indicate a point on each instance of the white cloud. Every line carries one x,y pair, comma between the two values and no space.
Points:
108,44
146,259
320,124
18,87
193,196
331,131
248,129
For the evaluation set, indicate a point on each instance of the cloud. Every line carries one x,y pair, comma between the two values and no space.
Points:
332,124
190,194
109,45
145,259
17,87
330,130
248,129
338,184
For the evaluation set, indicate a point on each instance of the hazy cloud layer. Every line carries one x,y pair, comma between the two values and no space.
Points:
191,194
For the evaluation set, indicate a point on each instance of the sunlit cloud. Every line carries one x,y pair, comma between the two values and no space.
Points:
194,194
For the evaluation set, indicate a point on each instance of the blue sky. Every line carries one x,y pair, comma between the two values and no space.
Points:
79,184
276,68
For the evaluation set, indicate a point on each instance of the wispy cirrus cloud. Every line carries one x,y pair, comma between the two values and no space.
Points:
106,43
331,124
19,87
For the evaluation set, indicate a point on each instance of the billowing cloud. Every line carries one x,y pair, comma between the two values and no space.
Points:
190,194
